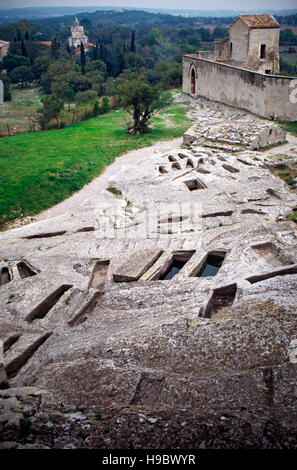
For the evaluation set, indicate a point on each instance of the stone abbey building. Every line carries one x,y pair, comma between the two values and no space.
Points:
77,35
242,69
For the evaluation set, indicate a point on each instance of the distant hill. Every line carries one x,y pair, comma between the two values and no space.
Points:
34,13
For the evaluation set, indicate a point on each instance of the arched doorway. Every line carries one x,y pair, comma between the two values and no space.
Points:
193,82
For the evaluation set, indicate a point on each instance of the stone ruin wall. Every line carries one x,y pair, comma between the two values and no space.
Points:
264,95
270,37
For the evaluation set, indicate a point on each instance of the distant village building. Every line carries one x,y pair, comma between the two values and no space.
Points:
4,46
241,70
77,35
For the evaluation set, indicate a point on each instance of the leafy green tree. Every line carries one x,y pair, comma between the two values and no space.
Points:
50,110
105,105
95,79
154,37
97,65
135,61
22,75
86,23
69,96
141,100
10,62
219,32
84,97
45,83
40,66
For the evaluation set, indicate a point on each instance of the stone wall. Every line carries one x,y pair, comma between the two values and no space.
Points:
269,37
222,49
238,36
264,95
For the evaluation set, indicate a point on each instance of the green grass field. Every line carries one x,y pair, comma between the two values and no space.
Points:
40,169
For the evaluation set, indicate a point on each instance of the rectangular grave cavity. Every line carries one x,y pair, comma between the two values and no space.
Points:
44,307
86,311
211,264
148,390
220,302
195,184
175,264
217,214
99,273
268,275
25,270
9,342
271,254
46,235
85,229
20,358
5,276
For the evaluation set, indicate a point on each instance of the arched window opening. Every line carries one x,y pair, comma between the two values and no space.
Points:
193,82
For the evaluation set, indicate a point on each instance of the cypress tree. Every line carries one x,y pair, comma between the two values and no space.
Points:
82,59
55,48
132,45
95,51
102,52
24,50
121,63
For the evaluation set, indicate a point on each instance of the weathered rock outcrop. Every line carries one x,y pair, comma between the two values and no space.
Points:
105,347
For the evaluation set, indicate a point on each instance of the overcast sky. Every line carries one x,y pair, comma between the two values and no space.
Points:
177,4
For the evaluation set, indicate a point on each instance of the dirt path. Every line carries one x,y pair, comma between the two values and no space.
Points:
100,183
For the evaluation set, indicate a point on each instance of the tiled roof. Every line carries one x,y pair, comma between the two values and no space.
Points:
259,21
86,46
